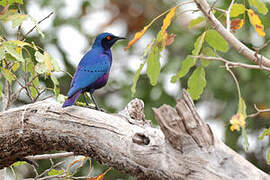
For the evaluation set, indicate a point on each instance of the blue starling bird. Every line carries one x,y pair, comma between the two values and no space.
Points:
93,70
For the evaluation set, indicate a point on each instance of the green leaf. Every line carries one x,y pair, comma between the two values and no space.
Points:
244,134
1,90
196,83
33,92
198,44
55,65
196,21
17,19
15,66
40,68
61,98
55,172
54,79
207,51
184,69
216,41
237,9
153,65
261,7
8,75
18,163
135,79
2,52
13,50
266,132
268,156
242,107
39,57
10,2
37,26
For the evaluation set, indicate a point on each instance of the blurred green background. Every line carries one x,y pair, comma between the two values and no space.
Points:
71,30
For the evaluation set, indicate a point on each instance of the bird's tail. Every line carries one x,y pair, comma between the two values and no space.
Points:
71,100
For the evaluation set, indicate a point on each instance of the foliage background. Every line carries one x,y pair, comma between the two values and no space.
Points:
71,30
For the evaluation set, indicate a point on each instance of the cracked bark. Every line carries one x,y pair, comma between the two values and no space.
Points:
184,147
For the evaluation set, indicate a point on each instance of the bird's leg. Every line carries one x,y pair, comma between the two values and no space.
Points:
85,99
94,101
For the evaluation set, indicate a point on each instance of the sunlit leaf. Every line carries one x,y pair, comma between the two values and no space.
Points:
198,44
184,69
216,41
256,22
261,7
61,98
48,63
39,57
17,19
266,132
55,65
37,26
11,48
53,172
167,20
8,75
10,2
135,79
18,163
196,21
15,66
237,9
54,79
40,68
196,83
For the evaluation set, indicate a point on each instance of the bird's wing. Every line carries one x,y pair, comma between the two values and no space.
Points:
86,75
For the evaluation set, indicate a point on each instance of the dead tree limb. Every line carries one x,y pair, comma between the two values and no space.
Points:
184,147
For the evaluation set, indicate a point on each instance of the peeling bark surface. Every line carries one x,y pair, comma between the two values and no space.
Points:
184,147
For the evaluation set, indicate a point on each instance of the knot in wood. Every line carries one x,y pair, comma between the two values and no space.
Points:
140,139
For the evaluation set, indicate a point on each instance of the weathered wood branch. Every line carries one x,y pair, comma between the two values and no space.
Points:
232,40
184,147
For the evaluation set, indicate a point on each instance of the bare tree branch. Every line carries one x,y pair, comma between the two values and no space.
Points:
184,147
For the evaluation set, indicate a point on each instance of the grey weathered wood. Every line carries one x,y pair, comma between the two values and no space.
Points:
126,141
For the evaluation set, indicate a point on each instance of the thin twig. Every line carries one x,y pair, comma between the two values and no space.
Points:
258,111
50,156
36,25
19,31
228,21
233,64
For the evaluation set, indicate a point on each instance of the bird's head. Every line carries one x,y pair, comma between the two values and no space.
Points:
106,40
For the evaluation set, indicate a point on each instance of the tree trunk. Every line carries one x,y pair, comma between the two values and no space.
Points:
184,147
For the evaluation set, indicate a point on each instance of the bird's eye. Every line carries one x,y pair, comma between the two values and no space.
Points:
109,37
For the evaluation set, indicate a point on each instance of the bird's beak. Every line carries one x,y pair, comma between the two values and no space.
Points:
118,38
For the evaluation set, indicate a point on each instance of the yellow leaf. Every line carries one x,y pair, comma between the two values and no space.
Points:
256,22
101,176
167,20
137,36
20,43
236,24
237,122
47,61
